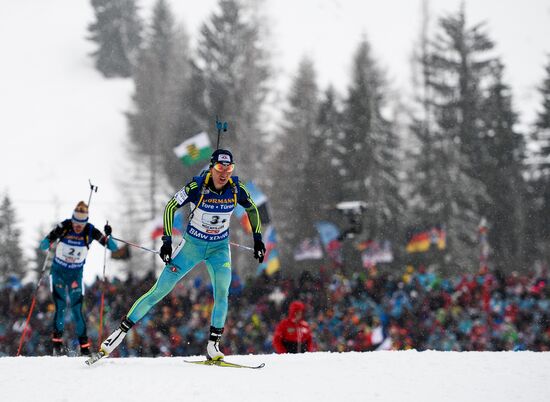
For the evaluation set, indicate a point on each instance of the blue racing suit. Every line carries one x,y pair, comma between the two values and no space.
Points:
66,271
205,239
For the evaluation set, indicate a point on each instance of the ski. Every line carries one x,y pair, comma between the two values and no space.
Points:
94,357
223,363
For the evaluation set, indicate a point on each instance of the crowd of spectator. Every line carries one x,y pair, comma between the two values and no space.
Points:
367,310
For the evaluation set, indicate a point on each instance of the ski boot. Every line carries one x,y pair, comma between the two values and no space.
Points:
213,351
84,346
58,349
116,337
111,342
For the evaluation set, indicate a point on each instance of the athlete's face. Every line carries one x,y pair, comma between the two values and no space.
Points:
77,227
221,174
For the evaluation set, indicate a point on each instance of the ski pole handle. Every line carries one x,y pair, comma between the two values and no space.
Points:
92,190
135,245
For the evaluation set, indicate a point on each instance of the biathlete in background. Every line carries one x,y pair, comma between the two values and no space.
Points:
75,236
212,198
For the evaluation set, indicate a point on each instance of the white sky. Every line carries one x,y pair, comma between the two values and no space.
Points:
312,377
62,124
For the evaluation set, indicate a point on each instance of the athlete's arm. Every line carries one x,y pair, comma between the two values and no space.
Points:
55,234
245,200
101,238
59,230
188,193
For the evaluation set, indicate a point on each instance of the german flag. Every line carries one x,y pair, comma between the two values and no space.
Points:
421,240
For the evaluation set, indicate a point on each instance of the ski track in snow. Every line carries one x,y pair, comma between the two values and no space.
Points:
322,376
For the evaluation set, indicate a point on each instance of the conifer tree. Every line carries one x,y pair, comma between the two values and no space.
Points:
501,172
234,68
448,186
161,77
371,164
539,184
543,118
142,203
293,215
11,254
117,32
327,156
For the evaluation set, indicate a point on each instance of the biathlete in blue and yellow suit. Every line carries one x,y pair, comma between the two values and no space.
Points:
75,236
212,198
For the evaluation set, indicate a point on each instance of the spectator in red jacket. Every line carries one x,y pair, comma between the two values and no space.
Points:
293,334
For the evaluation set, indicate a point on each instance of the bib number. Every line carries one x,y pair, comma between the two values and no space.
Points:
213,222
71,254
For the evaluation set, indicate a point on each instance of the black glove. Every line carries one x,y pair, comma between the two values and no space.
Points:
259,250
166,249
108,230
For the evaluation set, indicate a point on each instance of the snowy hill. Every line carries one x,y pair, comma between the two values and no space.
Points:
62,122
376,376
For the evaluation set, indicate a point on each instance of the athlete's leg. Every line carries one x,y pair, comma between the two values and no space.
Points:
185,259
57,287
186,256
220,275
76,296
218,264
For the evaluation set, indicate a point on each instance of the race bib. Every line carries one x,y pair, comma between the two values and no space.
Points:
209,225
71,254
214,223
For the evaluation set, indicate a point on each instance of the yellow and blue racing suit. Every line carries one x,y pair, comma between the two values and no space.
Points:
205,239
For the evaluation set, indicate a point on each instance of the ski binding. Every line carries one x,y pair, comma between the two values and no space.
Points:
94,357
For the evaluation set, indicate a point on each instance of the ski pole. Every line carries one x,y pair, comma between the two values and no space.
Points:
103,283
156,252
220,126
46,261
93,189
135,245
241,246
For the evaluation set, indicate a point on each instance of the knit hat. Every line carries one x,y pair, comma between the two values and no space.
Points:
221,156
80,213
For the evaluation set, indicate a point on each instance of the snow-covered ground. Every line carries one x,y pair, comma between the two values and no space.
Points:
376,376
